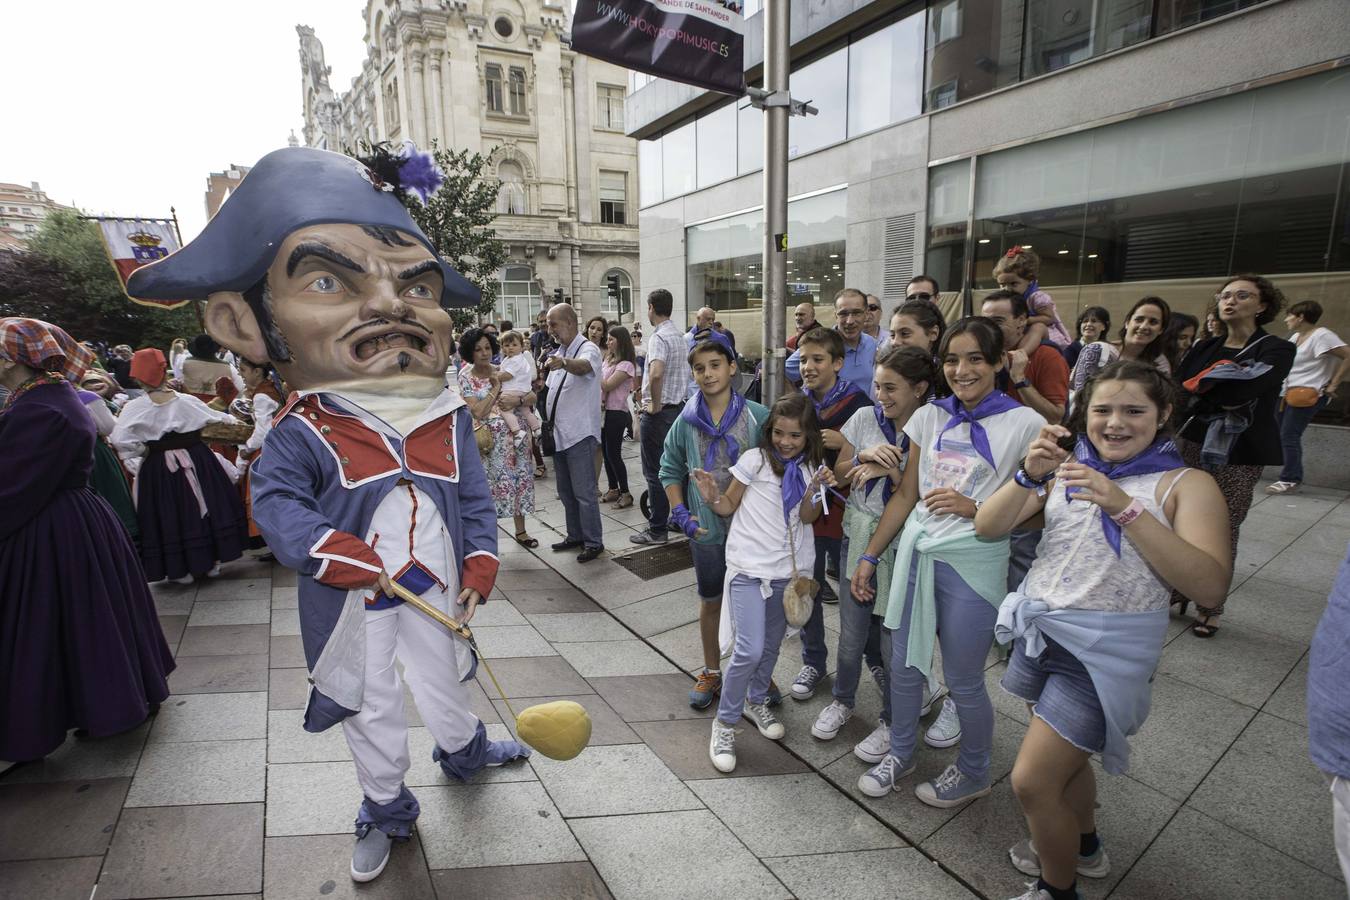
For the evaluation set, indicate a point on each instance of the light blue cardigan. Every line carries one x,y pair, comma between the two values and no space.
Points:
1119,650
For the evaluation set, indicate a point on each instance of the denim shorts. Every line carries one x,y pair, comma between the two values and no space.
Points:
710,569
1061,691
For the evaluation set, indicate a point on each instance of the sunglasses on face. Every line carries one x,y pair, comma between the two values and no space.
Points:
1236,295
919,295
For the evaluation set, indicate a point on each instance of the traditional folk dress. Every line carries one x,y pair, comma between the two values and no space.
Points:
80,644
190,514
341,494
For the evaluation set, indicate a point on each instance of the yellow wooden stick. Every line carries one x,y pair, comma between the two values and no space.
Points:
559,730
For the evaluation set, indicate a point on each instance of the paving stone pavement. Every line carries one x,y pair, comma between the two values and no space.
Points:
224,795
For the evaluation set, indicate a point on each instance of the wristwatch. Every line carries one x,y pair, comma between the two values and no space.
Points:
1022,384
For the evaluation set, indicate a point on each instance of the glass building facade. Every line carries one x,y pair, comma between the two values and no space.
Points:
1163,204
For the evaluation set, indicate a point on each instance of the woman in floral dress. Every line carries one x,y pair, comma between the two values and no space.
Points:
510,469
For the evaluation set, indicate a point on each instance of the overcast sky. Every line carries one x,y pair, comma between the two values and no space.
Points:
125,107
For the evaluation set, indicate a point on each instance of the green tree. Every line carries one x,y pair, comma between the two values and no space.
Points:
457,219
66,278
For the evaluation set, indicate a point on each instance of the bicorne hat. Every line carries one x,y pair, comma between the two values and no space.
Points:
287,190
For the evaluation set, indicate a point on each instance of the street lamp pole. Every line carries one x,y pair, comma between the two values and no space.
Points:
777,105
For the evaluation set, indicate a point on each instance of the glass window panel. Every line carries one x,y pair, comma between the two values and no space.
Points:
678,161
948,208
1062,32
613,198
717,145
824,84
725,257
885,76
750,138
1174,14
649,172
973,46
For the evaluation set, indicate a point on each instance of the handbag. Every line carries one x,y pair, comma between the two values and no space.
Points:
800,593
547,444
482,436
1302,397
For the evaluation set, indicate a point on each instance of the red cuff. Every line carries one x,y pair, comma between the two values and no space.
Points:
348,561
480,573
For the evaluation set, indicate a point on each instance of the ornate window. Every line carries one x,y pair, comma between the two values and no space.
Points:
517,90
492,73
511,194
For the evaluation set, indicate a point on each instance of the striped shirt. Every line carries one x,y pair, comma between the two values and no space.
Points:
667,344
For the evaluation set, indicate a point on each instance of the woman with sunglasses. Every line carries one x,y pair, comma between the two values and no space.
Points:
1216,405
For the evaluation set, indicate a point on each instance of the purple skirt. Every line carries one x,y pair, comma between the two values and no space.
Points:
176,539
80,643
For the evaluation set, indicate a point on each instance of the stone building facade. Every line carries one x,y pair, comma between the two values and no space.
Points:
495,77
22,209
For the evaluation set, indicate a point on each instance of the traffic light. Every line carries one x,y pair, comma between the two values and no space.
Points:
612,286
557,295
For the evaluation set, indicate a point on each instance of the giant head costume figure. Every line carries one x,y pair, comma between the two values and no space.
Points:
315,264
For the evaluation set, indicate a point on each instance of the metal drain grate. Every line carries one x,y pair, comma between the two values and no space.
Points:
657,562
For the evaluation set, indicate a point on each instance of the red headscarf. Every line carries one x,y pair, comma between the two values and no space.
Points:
148,367
44,347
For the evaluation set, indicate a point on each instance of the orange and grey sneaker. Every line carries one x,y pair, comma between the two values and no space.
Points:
705,690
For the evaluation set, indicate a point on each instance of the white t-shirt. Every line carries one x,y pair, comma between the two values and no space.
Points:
958,465
862,431
757,540
1314,363
518,372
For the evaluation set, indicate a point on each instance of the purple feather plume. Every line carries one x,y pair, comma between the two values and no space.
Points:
418,172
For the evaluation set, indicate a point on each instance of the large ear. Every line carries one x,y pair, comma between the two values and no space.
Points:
230,321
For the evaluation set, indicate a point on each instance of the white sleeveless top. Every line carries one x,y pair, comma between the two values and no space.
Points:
1076,568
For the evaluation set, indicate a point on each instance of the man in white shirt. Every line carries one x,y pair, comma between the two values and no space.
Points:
666,382
574,411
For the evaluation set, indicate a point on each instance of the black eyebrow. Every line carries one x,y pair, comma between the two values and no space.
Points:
425,266
323,251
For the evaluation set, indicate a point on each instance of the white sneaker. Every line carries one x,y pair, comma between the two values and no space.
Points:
1033,893
722,747
830,720
765,721
946,731
874,747
929,698
186,579
215,571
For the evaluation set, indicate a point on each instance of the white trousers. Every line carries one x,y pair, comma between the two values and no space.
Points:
378,734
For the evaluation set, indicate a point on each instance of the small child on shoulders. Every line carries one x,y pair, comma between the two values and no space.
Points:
1017,270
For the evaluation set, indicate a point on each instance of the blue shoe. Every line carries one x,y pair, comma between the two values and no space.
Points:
884,777
705,690
952,788
775,696
370,855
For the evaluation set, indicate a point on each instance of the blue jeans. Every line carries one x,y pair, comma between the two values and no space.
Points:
654,428
859,639
965,623
814,652
1021,554
574,474
1293,422
760,626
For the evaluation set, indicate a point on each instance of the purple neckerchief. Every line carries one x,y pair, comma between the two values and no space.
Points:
888,430
794,483
1160,456
697,414
995,402
840,390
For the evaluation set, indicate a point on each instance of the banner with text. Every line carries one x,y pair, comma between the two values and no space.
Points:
694,41
132,243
